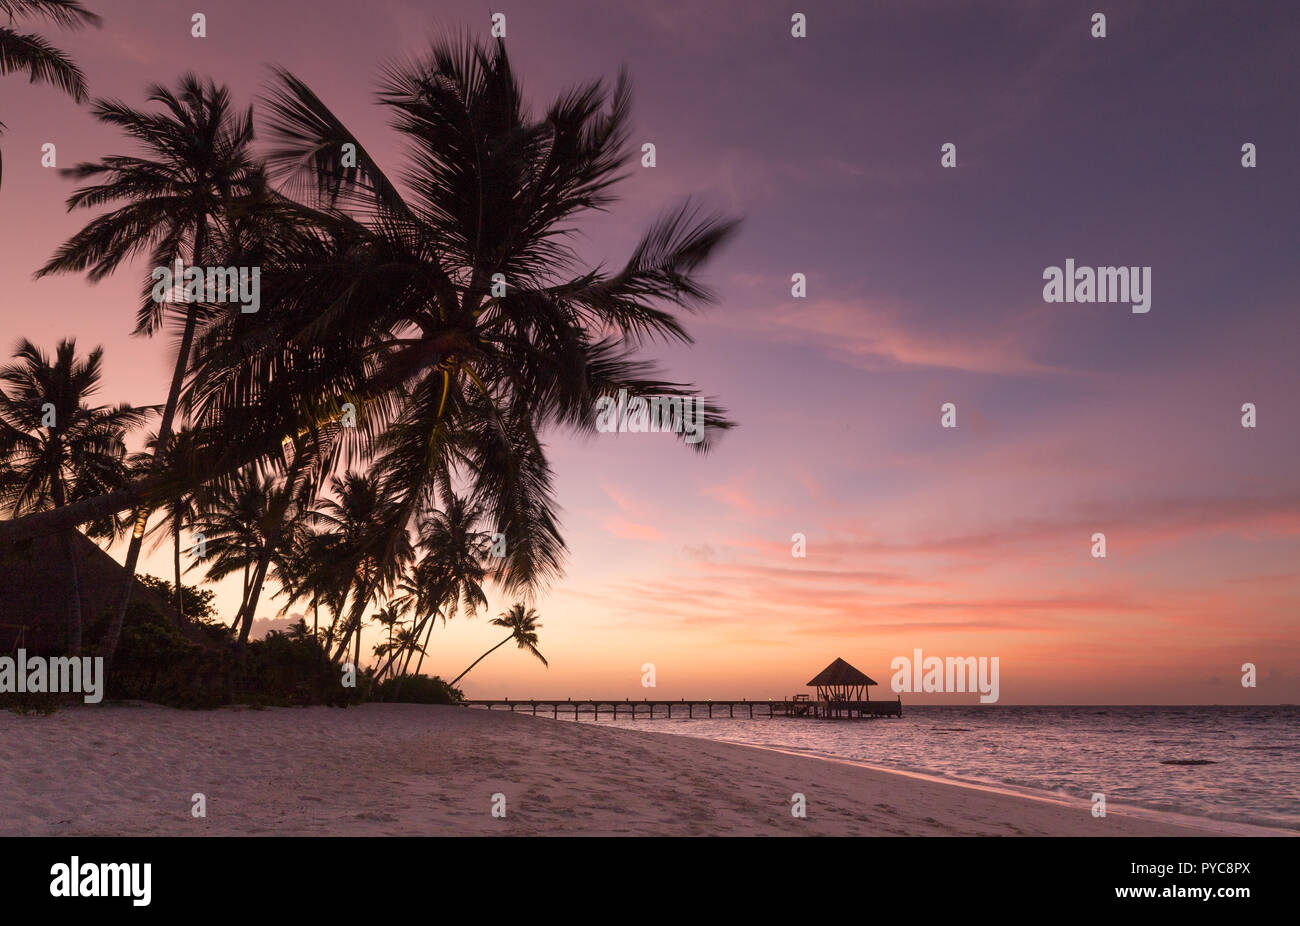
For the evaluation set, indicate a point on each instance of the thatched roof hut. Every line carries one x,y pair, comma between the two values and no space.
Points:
34,588
839,681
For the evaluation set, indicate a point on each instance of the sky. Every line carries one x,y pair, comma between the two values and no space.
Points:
924,286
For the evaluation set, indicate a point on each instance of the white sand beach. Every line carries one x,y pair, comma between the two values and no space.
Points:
404,769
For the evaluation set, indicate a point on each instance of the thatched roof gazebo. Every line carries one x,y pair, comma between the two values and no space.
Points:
839,681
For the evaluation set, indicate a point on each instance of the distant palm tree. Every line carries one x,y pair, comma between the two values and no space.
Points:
391,616
55,449
523,626
32,54
249,523
307,572
179,457
233,521
371,553
197,167
451,571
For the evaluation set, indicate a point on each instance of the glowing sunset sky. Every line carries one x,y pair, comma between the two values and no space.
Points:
924,287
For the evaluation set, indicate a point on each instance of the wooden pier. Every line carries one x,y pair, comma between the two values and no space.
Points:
648,710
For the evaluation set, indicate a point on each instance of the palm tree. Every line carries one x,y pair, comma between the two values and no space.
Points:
523,626
371,554
314,569
33,55
452,312
250,524
233,519
55,449
179,458
455,311
391,617
183,191
451,571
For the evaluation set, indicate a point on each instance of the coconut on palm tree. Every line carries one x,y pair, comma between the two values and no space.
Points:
523,625
56,449
32,54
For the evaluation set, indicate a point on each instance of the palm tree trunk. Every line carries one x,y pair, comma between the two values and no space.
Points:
164,437
404,649
428,634
74,593
180,598
263,564
481,658
53,520
344,640
74,577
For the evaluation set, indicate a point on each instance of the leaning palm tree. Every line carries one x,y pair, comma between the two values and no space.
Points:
454,314
55,449
523,626
33,55
171,202
451,312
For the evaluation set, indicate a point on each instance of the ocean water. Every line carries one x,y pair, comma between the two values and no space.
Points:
1251,755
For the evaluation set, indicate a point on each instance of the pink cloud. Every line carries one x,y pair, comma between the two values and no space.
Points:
631,531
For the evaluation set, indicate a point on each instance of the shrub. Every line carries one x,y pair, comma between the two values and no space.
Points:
417,689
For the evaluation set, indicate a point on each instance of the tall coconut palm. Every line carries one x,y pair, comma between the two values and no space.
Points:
33,54
56,449
523,625
195,168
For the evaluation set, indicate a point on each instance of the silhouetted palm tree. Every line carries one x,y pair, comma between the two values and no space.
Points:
452,312
451,571
36,57
55,449
195,169
459,320
233,520
523,626
180,509
250,523
391,616
371,553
